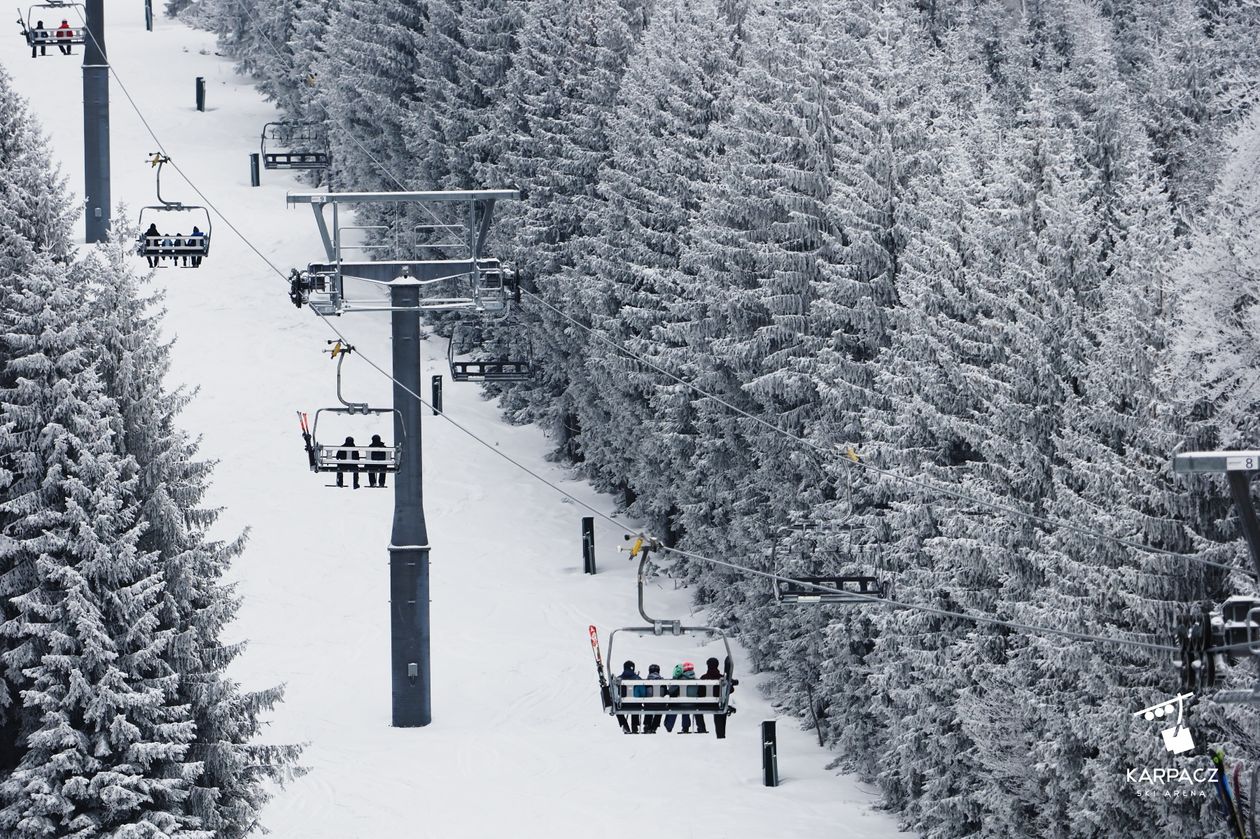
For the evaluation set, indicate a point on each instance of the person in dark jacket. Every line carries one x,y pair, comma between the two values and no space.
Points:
628,675
63,34
652,722
719,720
376,472
347,451
689,672
40,32
198,239
151,237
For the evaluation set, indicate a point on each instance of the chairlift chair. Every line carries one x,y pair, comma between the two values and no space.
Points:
717,692
51,36
323,457
294,145
181,242
834,589
484,369
488,369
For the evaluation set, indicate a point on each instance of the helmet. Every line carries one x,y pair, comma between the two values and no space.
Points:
688,667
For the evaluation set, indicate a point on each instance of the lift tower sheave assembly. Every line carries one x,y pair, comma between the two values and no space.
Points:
468,282
1239,467
96,125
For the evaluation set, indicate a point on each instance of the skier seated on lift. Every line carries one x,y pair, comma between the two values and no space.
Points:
628,675
652,722
719,720
64,31
376,472
198,240
347,451
686,670
168,248
151,237
40,33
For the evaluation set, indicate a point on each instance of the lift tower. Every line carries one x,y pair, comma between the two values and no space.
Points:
96,125
470,283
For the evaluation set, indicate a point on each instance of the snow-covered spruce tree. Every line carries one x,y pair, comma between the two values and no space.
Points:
557,99
97,739
1181,76
637,227
367,80
763,242
32,190
256,35
195,603
309,44
933,386
467,51
1215,351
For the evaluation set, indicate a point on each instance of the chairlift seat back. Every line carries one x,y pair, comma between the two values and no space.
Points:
296,160
172,245
292,145
854,590
52,36
716,700
362,458
491,371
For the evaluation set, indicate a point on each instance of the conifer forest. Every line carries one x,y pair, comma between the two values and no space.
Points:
926,290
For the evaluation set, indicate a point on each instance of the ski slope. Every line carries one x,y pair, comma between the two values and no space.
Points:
518,746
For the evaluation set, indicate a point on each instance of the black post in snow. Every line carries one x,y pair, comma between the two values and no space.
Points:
769,754
588,544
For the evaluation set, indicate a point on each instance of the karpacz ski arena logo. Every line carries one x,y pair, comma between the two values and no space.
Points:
1177,739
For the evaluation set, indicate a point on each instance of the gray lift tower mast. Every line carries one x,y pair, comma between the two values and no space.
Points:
96,124
467,283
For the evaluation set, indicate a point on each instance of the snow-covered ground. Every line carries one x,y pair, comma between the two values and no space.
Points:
518,744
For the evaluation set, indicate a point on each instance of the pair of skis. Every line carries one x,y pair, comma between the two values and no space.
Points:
604,696
1229,797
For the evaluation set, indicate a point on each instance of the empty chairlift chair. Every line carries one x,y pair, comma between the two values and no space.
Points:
293,145
847,589
483,369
